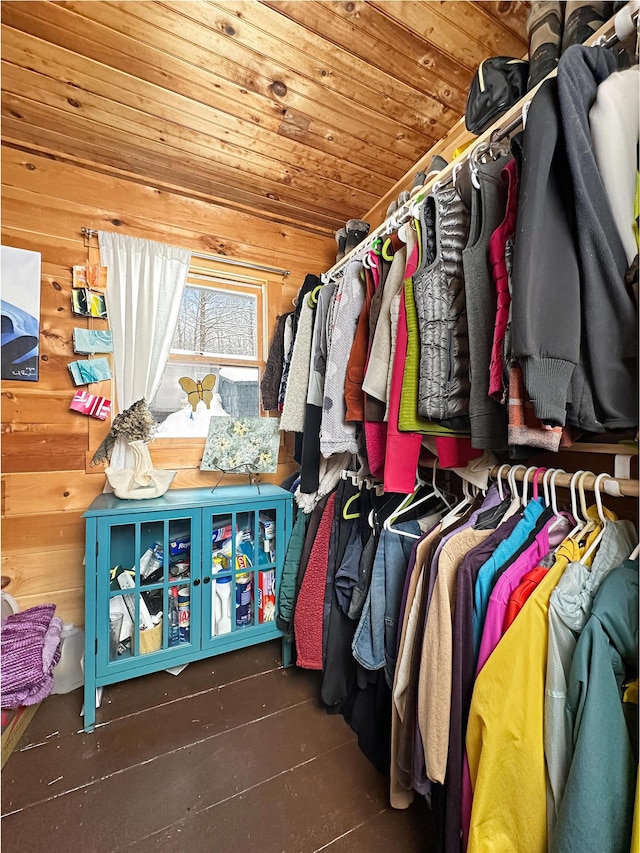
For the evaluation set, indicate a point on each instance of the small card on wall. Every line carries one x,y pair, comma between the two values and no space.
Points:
94,370
88,303
92,276
89,341
90,404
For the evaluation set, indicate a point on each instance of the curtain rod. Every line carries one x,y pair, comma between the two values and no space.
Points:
90,232
409,209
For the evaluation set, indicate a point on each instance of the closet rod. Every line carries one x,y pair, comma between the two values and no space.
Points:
627,488
222,259
406,211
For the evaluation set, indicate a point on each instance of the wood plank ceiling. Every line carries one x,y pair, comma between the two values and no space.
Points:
306,112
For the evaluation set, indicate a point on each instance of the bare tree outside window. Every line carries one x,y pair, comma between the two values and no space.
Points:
217,322
217,333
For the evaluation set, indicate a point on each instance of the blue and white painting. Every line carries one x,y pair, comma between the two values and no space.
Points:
20,314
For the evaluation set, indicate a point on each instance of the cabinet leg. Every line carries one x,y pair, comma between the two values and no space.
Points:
286,652
89,703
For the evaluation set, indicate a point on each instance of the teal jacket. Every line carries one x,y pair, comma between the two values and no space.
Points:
596,812
287,593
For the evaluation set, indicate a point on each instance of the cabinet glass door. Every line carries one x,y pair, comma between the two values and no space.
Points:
241,570
150,596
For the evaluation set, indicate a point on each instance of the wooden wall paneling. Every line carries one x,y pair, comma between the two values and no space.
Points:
46,448
24,534
58,491
69,214
125,154
144,127
511,14
168,109
379,42
146,208
44,573
133,38
31,182
87,76
71,251
36,410
192,77
69,603
305,53
459,29
36,451
245,68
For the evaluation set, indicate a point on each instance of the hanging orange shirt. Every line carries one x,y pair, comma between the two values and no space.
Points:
521,593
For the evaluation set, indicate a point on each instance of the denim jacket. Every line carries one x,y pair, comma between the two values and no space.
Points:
375,640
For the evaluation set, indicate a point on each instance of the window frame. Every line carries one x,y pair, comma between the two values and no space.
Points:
186,453
239,284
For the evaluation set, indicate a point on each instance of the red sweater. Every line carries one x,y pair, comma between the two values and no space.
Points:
307,621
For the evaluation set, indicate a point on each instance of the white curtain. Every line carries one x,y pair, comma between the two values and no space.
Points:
145,283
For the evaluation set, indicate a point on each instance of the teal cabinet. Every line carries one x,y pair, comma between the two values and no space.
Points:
171,580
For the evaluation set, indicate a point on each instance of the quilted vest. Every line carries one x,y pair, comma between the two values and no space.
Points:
440,302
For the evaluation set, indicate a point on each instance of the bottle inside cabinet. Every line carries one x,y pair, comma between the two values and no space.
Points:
144,586
243,570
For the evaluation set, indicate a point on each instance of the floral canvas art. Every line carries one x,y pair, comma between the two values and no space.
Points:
242,445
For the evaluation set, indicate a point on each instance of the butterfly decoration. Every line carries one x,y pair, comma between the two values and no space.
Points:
198,389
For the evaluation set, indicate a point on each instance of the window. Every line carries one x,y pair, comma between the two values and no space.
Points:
215,358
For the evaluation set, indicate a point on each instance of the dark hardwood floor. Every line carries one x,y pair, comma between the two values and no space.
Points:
234,755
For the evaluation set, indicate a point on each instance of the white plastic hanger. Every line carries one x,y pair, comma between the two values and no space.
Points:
601,516
511,479
499,481
588,525
407,505
455,511
580,523
525,484
634,554
545,486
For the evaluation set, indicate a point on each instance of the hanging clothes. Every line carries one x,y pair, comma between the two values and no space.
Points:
336,436
547,535
270,382
463,667
295,398
569,609
596,813
374,643
310,600
443,390
353,387
507,707
310,462
487,206
375,379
